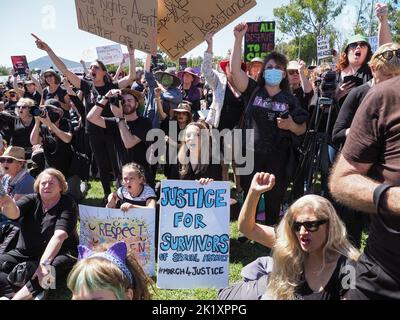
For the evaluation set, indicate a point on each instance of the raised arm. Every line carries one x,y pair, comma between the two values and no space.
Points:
240,78
119,70
128,80
72,77
160,110
35,136
305,82
384,36
265,235
206,68
15,85
38,86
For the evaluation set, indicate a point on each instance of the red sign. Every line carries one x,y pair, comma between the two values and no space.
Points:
20,65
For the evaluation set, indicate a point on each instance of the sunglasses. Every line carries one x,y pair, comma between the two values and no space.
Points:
389,54
353,46
310,226
269,67
12,95
293,72
95,67
6,160
23,107
48,76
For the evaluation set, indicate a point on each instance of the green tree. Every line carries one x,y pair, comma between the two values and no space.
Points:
4,71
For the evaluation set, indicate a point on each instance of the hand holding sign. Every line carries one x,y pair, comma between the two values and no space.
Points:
262,182
240,30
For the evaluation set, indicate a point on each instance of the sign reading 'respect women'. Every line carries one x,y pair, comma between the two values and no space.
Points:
259,40
183,24
193,246
101,227
128,22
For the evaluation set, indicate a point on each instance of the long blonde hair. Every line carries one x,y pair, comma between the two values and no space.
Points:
287,254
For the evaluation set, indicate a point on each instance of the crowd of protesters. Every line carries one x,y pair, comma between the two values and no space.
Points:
61,129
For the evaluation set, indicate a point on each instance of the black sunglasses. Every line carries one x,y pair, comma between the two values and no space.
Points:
389,54
354,45
6,160
310,226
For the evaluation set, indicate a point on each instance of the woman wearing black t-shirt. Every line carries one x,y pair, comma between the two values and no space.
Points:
55,91
19,127
48,238
101,140
276,118
311,255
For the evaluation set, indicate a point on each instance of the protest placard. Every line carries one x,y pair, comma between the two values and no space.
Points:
323,47
193,249
373,41
103,226
20,65
182,25
110,54
259,40
182,63
131,23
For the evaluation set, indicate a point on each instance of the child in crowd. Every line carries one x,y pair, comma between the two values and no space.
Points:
134,193
109,275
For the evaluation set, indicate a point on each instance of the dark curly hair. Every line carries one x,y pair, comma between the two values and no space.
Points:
343,62
281,60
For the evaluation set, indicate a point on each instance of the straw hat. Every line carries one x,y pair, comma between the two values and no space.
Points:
16,153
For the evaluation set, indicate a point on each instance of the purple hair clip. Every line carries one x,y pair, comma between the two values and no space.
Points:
116,254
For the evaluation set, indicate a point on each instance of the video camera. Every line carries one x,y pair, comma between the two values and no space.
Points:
43,111
326,87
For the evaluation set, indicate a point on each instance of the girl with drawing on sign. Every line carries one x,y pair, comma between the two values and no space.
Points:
110,275
134,193
276,118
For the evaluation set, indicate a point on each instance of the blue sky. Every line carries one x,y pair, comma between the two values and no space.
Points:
20,18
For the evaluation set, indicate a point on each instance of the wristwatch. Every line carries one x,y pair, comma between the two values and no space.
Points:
118,120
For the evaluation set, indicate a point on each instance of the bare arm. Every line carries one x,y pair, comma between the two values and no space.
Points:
160,110
119,70
305,83
289,124
128,80
72,77
240,78
349,185
38,86
66,137
128,138
94,115
9,208
384,35
15,86
35,136
262,234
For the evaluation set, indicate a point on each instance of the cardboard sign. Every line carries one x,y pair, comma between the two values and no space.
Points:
193,246
20,65
183,24
110,54
323,47
259,40
128,22
103,226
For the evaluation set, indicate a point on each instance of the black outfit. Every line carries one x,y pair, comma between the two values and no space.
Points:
58,154
101,142
36,96
273,147
19,133
231,111
36,230
137,154
213,171
10,106
58,95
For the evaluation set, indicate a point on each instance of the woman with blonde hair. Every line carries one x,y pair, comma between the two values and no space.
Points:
109,275
311,254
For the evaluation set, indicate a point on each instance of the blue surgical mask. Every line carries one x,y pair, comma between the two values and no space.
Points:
273,77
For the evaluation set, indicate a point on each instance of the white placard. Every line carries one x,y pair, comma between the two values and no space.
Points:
110,54
193,248
103,226
323,48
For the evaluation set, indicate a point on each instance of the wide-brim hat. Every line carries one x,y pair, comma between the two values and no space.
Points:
191,71
137,94
293,65
29,82
159,75
8,93
255,60
16,153
184,107
224,63
54,73
357,38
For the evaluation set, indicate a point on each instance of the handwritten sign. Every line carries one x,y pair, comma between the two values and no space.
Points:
183,24
128,22
323,47
110,54
193,247
259,40
103,226
20,65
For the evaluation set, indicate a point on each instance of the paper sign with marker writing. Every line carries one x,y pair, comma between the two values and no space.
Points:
103,227
110,54
323,48
193,247
259,40
128,22
183,24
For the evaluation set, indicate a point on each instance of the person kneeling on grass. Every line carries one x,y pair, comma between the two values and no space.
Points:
134,193
109,275
311,255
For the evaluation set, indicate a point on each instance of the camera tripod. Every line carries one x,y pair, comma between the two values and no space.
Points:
314,155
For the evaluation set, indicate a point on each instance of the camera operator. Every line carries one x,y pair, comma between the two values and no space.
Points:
18,126
54,132
129,129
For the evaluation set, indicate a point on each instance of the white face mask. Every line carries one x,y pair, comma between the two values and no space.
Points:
273,77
